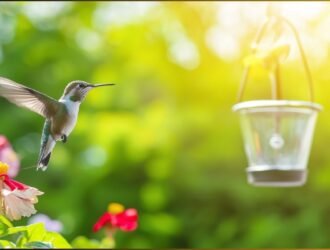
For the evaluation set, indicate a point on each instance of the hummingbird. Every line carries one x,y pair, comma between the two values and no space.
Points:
61,115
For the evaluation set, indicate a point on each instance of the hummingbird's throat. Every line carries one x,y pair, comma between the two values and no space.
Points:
75,98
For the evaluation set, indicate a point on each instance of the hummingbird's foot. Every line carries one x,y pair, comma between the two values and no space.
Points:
64,138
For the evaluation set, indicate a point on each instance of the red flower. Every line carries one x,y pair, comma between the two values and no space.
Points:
118,217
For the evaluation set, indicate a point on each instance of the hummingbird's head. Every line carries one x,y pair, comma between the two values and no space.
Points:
77,90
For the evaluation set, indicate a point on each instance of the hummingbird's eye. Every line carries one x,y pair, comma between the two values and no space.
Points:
81,85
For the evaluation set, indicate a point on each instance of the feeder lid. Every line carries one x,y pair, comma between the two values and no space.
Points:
276,103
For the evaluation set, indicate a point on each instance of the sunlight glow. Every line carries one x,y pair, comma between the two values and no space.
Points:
94,156
181,49
302,10
224,44
121,13
239,20
41,12
184,53
88,40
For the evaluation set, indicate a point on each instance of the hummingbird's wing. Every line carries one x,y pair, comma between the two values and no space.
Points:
28,98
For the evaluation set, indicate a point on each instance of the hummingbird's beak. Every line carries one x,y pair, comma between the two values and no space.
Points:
101,85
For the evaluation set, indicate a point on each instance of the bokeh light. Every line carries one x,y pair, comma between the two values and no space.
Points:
164,139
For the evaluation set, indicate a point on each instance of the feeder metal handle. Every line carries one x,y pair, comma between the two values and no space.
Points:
254,47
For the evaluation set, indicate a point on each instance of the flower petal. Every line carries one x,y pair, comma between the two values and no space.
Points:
9,156
131,214
18,203
129,226
29,194
15,207
3,142
104,219
127,220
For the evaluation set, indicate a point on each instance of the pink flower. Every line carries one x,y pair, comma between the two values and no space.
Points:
17,199
8,155
117,218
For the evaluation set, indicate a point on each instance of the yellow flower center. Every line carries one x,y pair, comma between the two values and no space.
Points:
3,168
115,208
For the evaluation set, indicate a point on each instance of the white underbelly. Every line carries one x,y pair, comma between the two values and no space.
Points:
70,126
66,130
72,109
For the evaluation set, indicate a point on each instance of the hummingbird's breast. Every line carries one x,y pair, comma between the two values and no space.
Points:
65,120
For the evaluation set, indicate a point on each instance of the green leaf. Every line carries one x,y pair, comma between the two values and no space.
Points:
36,233
5,221
38,244
21,239
19,229
107,242
7,244
4,225
83,242
57,240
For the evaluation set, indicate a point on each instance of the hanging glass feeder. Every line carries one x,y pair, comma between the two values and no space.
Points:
277,133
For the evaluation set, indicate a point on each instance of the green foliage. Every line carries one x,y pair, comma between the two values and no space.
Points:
31,236
164,139
38,244
83,242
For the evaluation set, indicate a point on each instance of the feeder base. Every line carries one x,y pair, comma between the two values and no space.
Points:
277,178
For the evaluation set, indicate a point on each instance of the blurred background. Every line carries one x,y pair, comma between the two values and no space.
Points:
164,140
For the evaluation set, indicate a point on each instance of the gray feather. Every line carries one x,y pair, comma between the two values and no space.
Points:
28,98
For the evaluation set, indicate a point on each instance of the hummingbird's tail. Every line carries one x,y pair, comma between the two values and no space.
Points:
45,153
47,146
